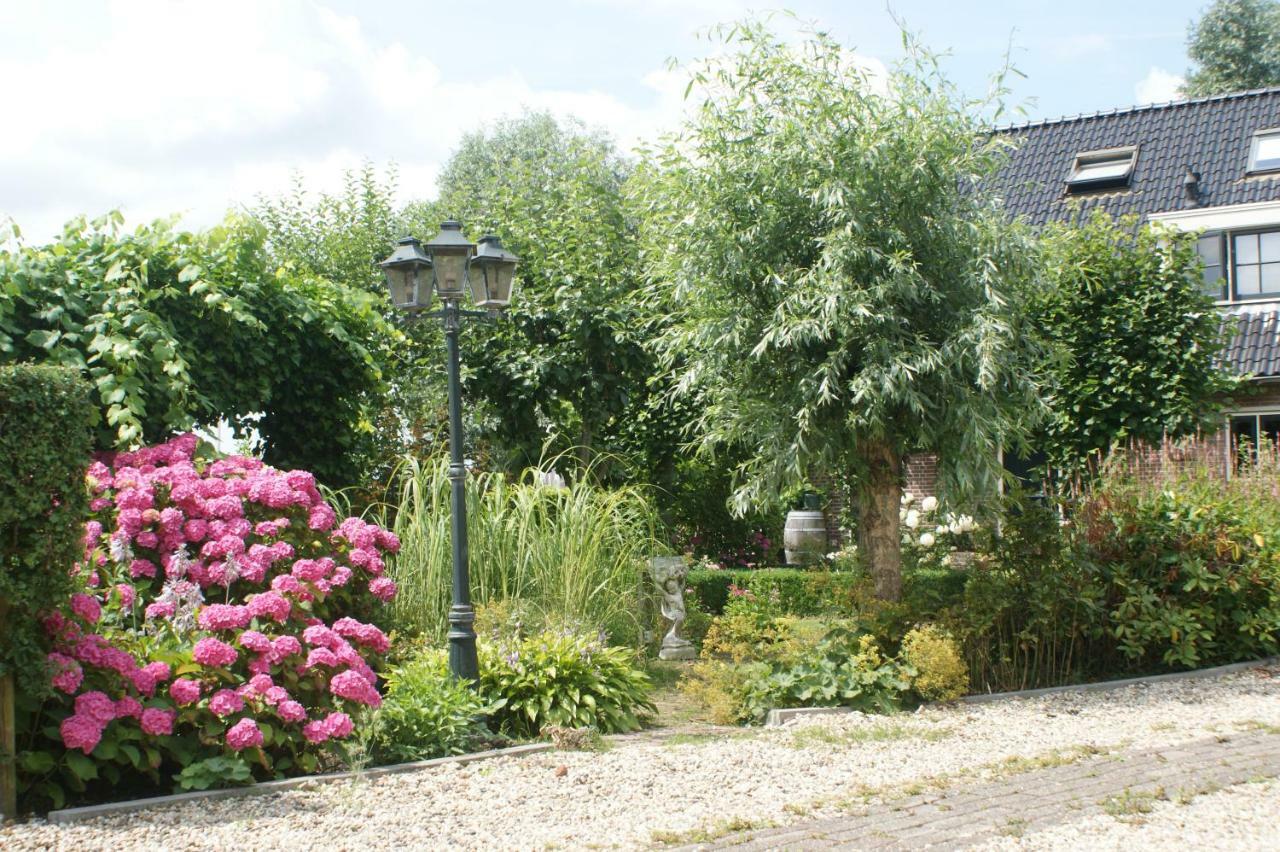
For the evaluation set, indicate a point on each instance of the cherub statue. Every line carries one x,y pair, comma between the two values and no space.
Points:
669,573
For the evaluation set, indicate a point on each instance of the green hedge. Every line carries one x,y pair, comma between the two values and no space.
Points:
45,446
808,592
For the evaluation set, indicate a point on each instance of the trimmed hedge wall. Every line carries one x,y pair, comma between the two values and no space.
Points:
807,592
45,447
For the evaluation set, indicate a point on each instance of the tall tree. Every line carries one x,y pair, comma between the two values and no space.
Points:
1140,339
1235,45
568,367
842,295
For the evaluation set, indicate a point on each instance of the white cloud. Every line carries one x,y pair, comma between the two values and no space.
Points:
1158,86
165,107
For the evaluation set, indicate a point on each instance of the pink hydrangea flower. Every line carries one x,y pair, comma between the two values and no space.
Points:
87,607
291,711
161,609
271,605
252,640
352,686
68,674
383,588
244,734
184,690
338,725
284,646
321,518
225,702
157,722
127,595
214,652
80,732
367,635
224,617
128,707
97,706
261,683
142,568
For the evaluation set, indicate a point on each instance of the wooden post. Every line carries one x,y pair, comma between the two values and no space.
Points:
8,740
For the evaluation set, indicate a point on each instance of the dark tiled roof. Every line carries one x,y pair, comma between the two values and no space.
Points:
1255,344
1210,135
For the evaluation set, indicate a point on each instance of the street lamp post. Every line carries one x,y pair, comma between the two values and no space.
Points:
450,265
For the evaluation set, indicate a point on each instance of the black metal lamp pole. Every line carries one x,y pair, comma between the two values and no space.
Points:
450,265
463,662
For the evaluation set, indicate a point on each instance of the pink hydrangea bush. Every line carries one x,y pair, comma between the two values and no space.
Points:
217,619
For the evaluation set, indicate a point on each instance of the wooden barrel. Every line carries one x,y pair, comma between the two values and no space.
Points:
805,535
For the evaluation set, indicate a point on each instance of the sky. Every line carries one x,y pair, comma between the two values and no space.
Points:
160,107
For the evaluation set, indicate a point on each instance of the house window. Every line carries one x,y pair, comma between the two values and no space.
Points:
1211,251
1254,433
1256,264
1264,154
1102,169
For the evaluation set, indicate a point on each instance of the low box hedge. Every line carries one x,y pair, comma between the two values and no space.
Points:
807,592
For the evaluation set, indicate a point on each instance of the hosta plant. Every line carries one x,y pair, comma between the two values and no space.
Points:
213,628
562,678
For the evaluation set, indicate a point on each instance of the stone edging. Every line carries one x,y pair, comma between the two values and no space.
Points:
1104,685
265,788
782,715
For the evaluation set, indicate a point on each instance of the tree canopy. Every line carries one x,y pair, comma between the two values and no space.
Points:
840,295
1235,45
568,368
177,329
1140,339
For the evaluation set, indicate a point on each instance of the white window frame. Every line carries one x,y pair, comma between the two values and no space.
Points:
1257,413
1273,164
1127,154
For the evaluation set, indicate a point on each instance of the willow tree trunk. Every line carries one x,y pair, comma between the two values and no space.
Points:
879,499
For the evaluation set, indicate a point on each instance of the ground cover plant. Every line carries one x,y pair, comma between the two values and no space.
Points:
212,639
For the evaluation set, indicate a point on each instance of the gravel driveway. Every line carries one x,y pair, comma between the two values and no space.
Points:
702,788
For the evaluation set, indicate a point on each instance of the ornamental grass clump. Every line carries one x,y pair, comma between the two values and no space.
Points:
213,629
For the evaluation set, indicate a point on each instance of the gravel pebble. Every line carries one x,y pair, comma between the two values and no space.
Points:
621,796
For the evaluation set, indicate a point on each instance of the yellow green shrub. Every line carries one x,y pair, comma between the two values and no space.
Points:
941,672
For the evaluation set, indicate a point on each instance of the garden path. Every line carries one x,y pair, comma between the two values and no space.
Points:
1126,787
1029,761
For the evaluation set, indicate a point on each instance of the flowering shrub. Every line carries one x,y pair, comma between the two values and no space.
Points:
212,623
929,540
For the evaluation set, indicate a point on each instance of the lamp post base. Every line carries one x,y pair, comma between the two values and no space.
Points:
464,662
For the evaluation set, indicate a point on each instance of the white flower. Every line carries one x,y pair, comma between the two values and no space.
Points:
946,560
942,529
902,514
929,503
926,540
913,519
907,497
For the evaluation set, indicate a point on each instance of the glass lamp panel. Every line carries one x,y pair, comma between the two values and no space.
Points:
400,285
451,273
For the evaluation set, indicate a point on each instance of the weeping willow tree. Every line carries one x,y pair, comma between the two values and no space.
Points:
840,291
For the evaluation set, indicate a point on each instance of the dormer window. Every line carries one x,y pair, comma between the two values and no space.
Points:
1102,169
1264,154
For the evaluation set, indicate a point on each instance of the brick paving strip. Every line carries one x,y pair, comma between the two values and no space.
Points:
1118,783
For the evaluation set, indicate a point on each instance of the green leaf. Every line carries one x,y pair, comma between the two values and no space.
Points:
81,765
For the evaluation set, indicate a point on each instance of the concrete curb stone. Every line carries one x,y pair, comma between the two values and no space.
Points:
266,788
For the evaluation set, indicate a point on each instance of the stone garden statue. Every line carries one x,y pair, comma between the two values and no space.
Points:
669,574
